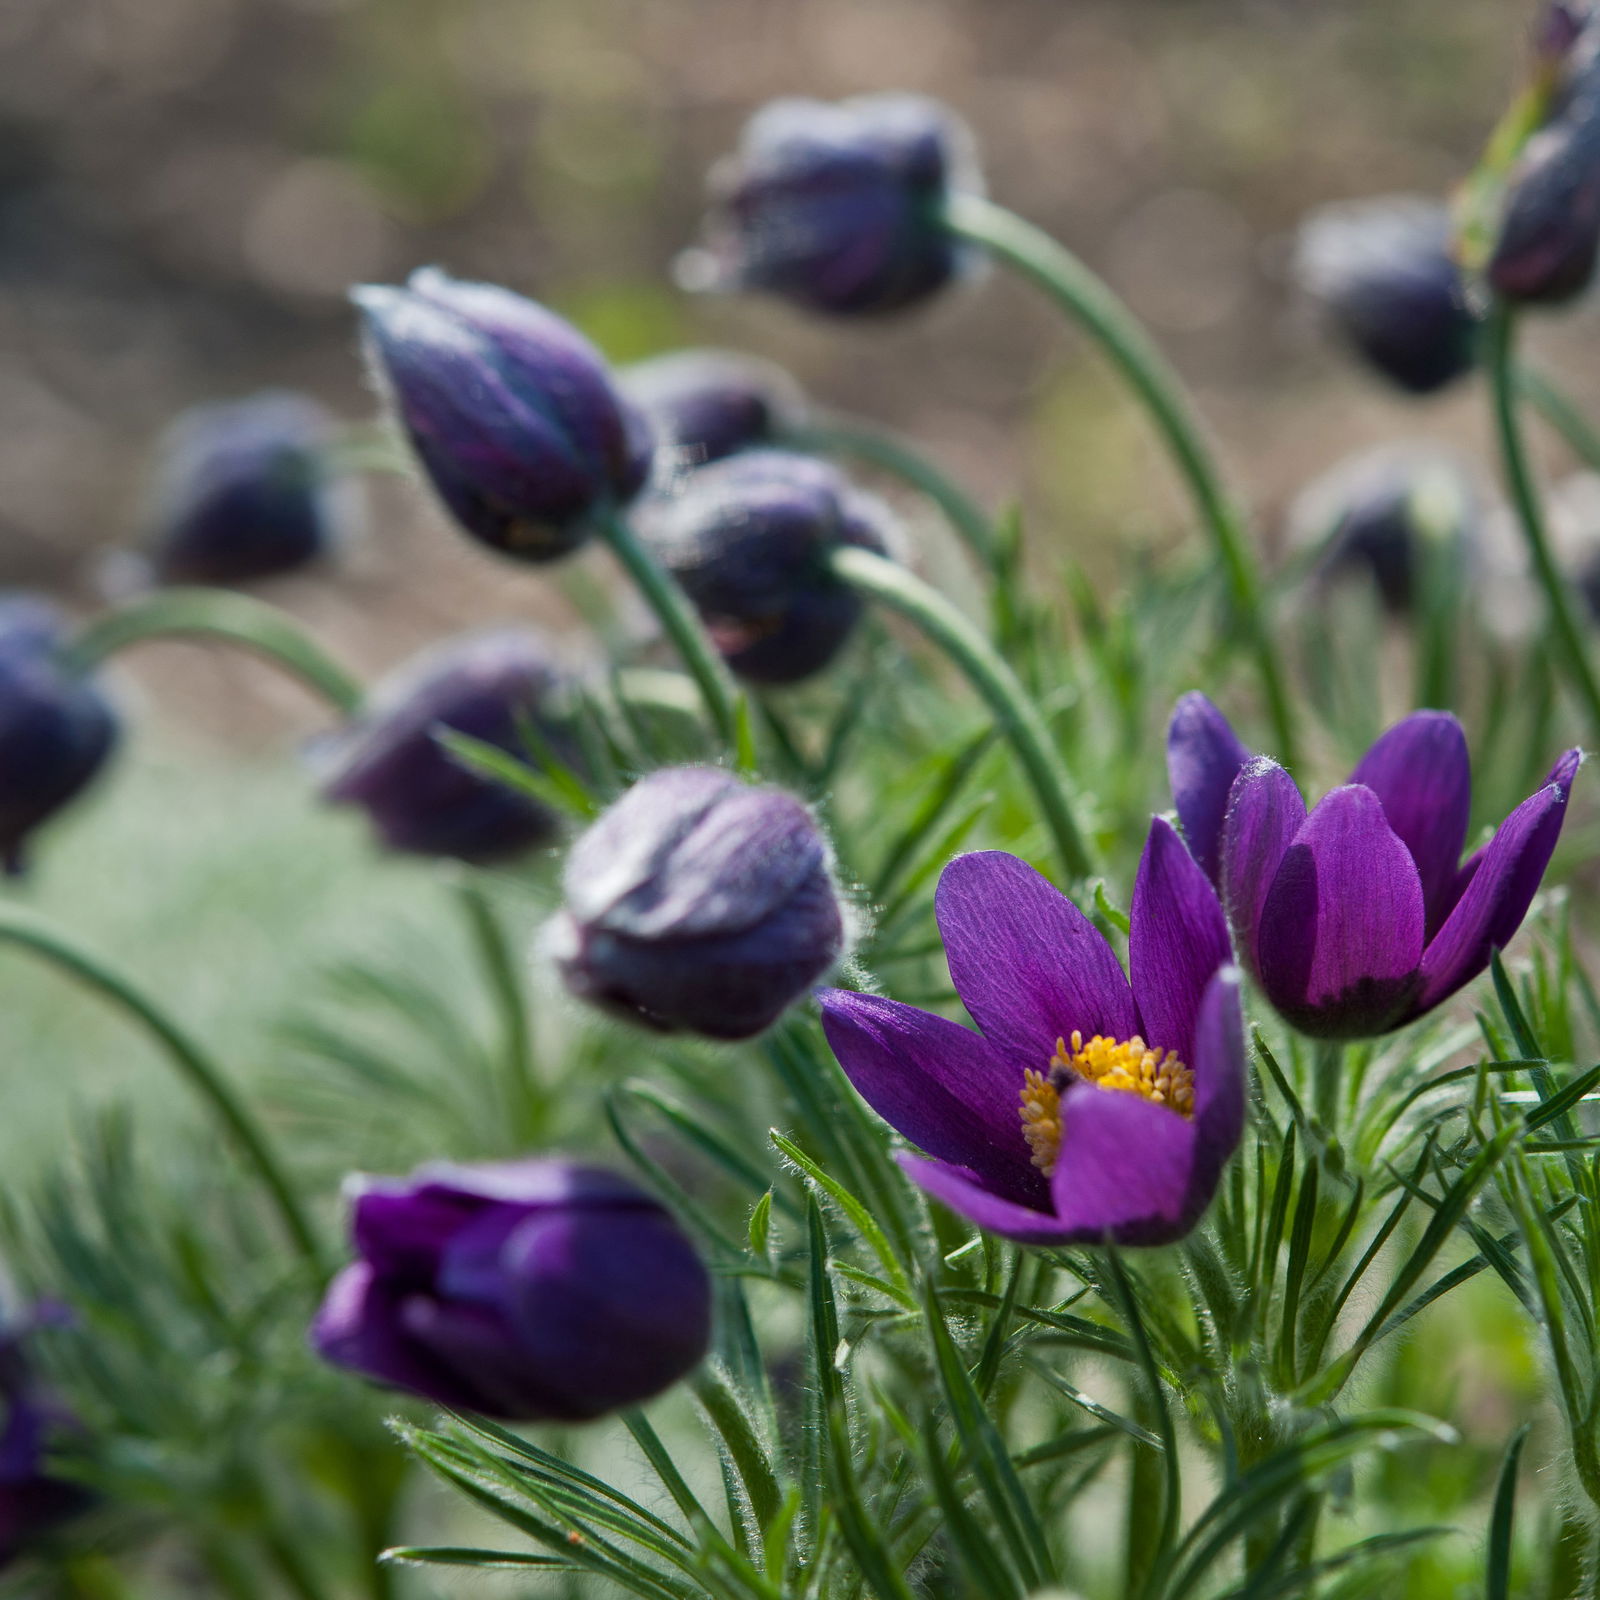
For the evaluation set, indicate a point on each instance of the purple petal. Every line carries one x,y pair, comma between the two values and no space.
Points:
1341,932
1125,1170
1421,772
1028,965
1220,1078
937,1083
1204,756
1177,941
978,1204
1265,812
1503,880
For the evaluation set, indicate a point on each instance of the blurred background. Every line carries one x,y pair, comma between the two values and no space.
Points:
187,188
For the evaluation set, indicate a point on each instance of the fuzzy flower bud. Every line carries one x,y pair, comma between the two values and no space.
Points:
749,538
511,411
698,903
839,207
423,800
241,491
536,1291
1385,273
707,404
56,729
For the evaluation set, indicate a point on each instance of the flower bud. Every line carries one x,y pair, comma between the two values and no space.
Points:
536,1291
56,729
422,799
1550,226
1385,273
242,491
707,404
511,411
839,207
749,538
698,903
1385,514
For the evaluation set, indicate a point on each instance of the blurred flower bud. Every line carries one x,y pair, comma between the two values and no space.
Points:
1384,272
512,412
707,404
839,207
242,491
1550,223
494,687
698,903
56,729
537,1291
1383,514
749,538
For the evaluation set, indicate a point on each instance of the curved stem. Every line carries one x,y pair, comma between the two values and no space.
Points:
230,618
1015,714
1088,301
504,976
677,617
197,1069
845,436
1498,349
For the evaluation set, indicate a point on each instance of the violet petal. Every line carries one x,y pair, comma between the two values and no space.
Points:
1265,812
1204,756
953,1188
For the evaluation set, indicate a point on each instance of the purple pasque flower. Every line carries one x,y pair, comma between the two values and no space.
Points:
698,903
1359,916
513,414
537,1291
1384,272
707,404
388,761
839,207
1089,1109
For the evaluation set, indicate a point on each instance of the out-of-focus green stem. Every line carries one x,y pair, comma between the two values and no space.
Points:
846,436
1499,346
505,983
1017,717
197,1069
229,618
1092,305
677,617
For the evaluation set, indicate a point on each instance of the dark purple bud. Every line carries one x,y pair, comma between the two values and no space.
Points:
1384,515
512,412
536,1291
698,903
56,728
1550,227
707,404
242,491
839,207
501,688
1385,273
749,539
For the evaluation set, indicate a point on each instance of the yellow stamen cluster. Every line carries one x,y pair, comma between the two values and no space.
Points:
1131,1066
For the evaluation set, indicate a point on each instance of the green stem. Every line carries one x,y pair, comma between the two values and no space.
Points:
842,436
1092,305
1498,352
198,1070
221,615
504,975
677,617
1015,714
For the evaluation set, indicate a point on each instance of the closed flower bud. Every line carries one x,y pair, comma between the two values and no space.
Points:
1385,273
424,800
1383,515
839,207
698,903
749,539
536,1291
511,411
242,491
707,404
56,729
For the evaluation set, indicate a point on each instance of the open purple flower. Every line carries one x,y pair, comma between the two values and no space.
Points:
1360,916
1089,1109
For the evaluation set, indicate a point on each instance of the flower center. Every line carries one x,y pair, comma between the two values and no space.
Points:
1129,1065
